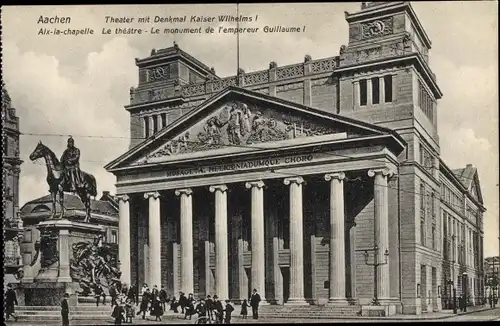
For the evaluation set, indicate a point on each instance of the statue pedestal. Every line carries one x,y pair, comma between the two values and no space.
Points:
47,280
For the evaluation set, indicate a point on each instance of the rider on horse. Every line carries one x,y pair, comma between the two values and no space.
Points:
70,161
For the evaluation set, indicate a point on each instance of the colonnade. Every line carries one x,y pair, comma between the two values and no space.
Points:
337,237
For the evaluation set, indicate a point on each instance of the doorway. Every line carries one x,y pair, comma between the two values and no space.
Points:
285,274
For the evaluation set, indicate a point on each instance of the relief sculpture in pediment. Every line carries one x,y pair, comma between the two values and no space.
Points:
237,124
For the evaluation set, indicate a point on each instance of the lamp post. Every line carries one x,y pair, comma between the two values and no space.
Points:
375,265
453,288
464,291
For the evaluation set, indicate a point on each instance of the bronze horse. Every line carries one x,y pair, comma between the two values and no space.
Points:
55,181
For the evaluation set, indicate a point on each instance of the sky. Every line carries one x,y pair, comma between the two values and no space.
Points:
79,85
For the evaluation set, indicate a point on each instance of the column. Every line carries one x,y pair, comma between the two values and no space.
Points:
221,252
355,86
159,127
369,97
64,248
296,241
381,208
124,238
154,238
258,280
187,269
337,239
151,125
382,89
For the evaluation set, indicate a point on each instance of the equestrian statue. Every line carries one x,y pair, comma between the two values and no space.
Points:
65,176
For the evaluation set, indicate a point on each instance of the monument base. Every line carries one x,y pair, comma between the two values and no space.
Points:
48,279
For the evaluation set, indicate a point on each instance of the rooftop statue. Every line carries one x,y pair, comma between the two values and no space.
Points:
65,175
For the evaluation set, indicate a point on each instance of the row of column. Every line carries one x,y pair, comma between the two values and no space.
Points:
337,237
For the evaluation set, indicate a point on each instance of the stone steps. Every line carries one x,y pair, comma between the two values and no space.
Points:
92,312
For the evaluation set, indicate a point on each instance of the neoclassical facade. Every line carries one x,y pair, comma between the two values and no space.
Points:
295,180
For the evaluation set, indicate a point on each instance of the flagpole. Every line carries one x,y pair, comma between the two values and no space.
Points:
237,44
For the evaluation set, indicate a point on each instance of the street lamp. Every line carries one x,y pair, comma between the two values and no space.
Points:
375,265
452,287
464,291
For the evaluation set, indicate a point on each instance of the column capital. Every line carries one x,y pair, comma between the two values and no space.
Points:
221,188
259,184
154,194
386,172
123,198
297,180
336,175
184,191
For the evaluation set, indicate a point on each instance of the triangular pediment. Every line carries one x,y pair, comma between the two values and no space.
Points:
238,120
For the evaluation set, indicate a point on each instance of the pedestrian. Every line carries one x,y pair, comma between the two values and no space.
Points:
131,295
156,309
254,302
118,313
201,310
99,292
174,303
124,289
490,300
113,294
155,293
229,310
244,309
189,309
10,303
144,288
144,304
219,310
129,311
182,301
163,298
210,306
65,310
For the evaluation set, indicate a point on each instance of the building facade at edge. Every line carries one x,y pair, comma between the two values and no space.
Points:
353,139
11,170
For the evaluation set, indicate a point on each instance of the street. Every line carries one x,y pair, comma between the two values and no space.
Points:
488,315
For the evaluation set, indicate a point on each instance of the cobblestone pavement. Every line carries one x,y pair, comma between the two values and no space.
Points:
482,315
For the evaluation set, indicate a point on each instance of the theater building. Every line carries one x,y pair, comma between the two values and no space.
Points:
293,180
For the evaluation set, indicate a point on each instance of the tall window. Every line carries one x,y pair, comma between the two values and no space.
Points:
163,120
425,102
375,90
155,124
114,237
433,234
422,198
422,231
363,92
146,127
433,207
388,88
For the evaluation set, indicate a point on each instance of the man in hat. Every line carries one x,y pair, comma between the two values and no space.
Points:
10,301
254,302
65,310
70,161
219,309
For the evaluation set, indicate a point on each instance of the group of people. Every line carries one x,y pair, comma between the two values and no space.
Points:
154,302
